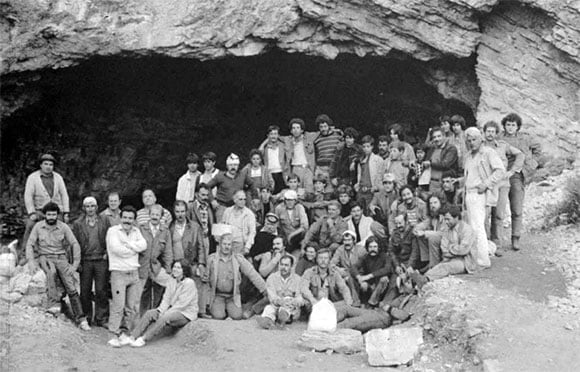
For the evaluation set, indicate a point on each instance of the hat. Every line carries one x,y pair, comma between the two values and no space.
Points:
290,194
389,177
90,200
271,217
349,232
233,159
47,157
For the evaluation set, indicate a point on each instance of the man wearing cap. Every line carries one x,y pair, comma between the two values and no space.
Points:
243,222
293,221
90,230
43,186
380,206
228,183
48,242
187,183
265,237
346,257
327,231
300,152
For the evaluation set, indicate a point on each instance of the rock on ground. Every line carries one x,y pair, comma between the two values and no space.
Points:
345,341
392,346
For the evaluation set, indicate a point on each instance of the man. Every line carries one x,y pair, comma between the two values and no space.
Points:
300,153
50,239
316,202
384,147
285,295
269,260
293,221
265,237
343,166
403,245
44,186
363,226
380,206
346,257
452,191
113,211
373,273
202,201
370,173
265,206
155,262
397,133
243,222
327,231
228,183
457,139
210,171
143,214
441,157
323,281
325,146
458,249
124,243
395,165
531,148
430,231
491,131
275,157
187,183
224,273
90,231
413,207
483,170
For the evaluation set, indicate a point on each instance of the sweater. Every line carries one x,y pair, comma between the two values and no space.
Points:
36,196
180,297
123,250
81,231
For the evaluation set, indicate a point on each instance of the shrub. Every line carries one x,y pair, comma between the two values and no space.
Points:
568,210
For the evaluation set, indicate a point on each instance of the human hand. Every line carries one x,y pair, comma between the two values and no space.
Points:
65,218
32,266
33,216
481,188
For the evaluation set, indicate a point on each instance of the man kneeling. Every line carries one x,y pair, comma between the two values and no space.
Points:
285,295
178,307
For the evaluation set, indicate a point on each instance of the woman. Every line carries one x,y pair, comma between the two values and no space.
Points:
178,307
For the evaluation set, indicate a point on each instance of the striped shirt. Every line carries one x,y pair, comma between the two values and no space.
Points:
325,147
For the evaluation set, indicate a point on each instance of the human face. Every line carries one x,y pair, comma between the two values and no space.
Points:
333,211
127,219
395,153
256,160
400,223
51,217
203,195
90,209
226,246
265,195
208,165
114,202
434,205
310,253
296,130
47,167
373,249
149,198
367,148
457,128
155,216
285,266
420,155
232,168
448,184
192,167
437,138
180,212
292,184
490,133
394,135
290,203
389,186
407,196
323,259
450,220
240,200
177,271
343,199
383,147
278,245
474,143
318,186
273,136
348,141
445,126
348,242
356,213
511,128
323,128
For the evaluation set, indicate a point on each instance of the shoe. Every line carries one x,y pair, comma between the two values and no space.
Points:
125,340
139,342
247,314
498,253
54,310
265,322
205,316
114,342
84,326
418,279
516,243
283,316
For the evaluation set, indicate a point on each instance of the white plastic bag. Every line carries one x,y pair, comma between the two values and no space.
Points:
323,317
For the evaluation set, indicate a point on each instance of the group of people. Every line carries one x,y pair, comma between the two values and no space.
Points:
313,215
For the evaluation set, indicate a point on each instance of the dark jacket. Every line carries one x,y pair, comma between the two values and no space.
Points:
403,248
380,265
81,232
192,244
159,252
448,160
340,166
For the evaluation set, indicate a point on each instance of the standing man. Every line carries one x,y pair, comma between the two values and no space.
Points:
370,173
91,232
210,171
51,238
124,243
149,200
243,222
188,182
325,146
441,157
44,186
113,211
275,158
300,153
483,170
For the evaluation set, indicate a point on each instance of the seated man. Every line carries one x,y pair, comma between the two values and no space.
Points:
362,319
458,249
403,245
380,206
363,226
178,307
429,231
324,281
327,231
373,274
269,260
307,261
285,294
346,257
293,221
224,273
413,207
243,222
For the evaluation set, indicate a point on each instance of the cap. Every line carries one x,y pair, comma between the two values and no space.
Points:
349,232
389,177
290,194
271,217
49,157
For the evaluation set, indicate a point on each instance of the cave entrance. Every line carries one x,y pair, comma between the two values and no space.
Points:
124,124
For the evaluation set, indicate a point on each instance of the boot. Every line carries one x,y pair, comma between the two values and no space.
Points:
77,309
516,243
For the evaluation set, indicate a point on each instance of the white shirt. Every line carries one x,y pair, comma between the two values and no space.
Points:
206,177
274,165
299,157
186,187
123,249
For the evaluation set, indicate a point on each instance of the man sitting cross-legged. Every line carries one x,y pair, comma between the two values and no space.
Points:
285,295
346,257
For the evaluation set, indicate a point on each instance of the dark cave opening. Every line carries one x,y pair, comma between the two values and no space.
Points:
126,124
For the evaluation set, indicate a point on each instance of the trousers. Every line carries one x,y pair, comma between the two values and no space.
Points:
361,319
124,306
516,196
154,323
446,268
96,272
498,214
476,212
223,306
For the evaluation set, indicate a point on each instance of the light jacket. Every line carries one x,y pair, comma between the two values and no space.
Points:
308,141
36,196
185,187
364,228
180,297
123,250
282,156
376,170
248,227
491,171
460,242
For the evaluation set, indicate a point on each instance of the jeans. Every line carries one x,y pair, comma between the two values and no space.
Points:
57,267
446,268
496,229
223,305
306,178
171,320
361,319
434,244
125,304
96,271
151,293
516,196
476,212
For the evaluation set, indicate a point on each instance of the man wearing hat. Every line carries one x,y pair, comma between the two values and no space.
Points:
44,186
293,221
90,229
265,237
